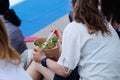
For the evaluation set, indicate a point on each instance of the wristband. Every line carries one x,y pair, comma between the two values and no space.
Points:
43,61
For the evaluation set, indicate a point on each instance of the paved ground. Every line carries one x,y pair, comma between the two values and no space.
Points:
60,24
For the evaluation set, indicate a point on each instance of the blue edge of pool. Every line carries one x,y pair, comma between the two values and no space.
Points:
37,14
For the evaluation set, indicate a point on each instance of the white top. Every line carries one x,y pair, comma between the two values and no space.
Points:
97,56
12,72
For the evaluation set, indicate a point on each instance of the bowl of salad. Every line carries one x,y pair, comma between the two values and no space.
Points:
51,47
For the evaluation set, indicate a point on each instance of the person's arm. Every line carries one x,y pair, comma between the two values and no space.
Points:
57,68
39,55
60,70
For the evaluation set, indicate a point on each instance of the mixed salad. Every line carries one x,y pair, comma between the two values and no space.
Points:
51,43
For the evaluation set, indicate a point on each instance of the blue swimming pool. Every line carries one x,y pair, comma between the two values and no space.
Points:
36,14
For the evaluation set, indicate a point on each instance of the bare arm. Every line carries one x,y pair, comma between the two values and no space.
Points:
58,69
38,55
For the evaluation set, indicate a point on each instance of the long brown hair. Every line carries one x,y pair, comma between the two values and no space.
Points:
86,11
6,51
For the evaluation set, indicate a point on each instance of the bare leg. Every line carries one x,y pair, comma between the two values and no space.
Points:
36,69
32,71
47,73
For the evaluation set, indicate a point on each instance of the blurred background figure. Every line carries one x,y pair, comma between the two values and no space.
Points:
70,13
9,59
111,11
12,23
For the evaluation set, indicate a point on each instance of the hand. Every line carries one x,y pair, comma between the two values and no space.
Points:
38,54
57,34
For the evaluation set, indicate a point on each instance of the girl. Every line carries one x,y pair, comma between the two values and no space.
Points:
87,42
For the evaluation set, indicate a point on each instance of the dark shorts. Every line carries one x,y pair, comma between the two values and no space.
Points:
73,76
